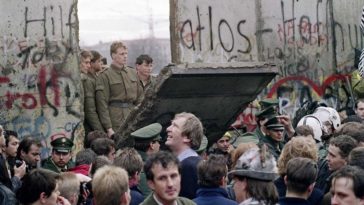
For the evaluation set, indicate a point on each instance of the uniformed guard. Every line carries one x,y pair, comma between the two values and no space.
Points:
92,121
144,66
118,90
262,117
268,102
60,159
146,143
274,138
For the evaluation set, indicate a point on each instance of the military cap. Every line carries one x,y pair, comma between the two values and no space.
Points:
245,138
267,113
148,133
62,144
274,124
264,104
203,145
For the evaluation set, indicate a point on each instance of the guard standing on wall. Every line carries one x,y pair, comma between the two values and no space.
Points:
117,90
92,121
144,66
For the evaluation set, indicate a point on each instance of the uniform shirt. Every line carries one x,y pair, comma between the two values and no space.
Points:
91,118
118,91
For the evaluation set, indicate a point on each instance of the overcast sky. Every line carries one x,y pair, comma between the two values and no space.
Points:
108,20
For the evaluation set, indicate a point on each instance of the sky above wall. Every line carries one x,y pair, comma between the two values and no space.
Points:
108,20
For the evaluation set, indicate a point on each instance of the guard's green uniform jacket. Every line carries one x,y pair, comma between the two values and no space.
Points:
274,147
49,164
143,185
150,83
118,91
92,121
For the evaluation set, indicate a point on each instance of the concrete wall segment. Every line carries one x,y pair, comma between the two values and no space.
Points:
39,78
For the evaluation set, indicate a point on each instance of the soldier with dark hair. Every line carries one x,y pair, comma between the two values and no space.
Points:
144,66
92,121
60,159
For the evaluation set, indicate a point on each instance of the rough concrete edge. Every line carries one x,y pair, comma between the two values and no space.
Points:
138,114
173,22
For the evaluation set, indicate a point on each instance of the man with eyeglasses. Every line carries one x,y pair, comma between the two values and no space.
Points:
274,137
60,159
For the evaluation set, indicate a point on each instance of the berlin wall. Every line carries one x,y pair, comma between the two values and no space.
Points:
312,41
40,77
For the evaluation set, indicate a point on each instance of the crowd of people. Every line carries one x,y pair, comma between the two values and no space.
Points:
318,160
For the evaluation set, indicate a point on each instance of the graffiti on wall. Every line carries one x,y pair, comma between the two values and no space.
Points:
311,41
39,78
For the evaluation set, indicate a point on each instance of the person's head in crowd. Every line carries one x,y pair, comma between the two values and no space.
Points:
61,151
223,144
110,186
240,150
338,151
354,130
310,123
99,162
84,160
29,151
144,66
356,157
185,131
39,187
347,186
119,53
11,143
359,108
104,146
212,173
91,136
274,129
96,64
163,176
296,147
69,187
300,177
329,119
103,62
304,130
86,156
130,160
147,139
85,61
253,176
